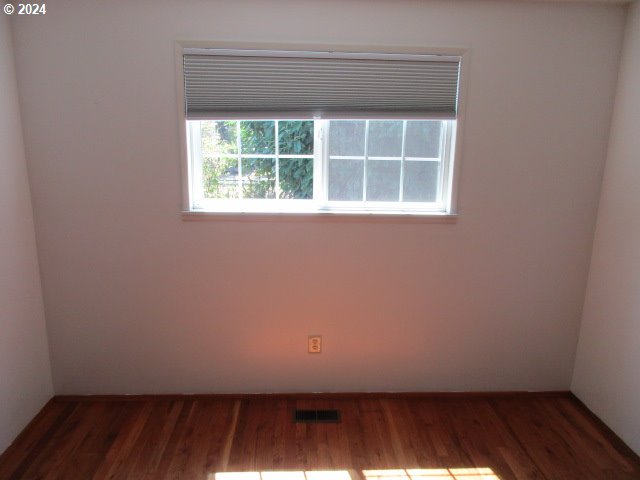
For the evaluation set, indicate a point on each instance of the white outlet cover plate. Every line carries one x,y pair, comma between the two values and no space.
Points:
315,343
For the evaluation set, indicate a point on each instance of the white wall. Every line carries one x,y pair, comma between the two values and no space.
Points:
139,300
25,373
606,374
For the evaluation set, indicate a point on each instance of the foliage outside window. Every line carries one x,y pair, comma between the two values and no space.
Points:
320,165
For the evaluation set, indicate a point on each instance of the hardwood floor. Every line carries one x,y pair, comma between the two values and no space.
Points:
379,438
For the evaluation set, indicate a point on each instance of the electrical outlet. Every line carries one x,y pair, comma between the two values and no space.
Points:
315,343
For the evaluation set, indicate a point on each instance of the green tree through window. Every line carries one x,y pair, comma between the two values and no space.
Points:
256,171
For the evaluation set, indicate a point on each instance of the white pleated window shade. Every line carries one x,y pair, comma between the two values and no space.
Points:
319,85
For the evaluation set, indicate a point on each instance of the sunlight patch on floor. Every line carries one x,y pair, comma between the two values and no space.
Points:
284,475
391,474
432,474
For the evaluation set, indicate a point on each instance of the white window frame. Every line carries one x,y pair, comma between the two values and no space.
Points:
200,204
320,206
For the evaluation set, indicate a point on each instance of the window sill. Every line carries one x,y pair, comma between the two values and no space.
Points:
333,216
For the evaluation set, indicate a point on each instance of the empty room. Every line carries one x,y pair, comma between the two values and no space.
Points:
320,239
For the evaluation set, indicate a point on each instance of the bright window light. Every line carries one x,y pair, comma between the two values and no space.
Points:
349,166
284,475
471,473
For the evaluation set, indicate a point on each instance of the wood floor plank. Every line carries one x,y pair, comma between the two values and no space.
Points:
175,440
213,432
191,457
103,434
430,450
401,443
438,424
481,439
30,445
153,439
350,437
62,439
231,433
116,460
501,437
86,448
580,424
554,453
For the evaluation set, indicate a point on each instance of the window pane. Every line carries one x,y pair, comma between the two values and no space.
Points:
296,178
258,177
220,177
346,137
420,181
345,179
258,137
423,138
385,138
383,180
295,137
218,137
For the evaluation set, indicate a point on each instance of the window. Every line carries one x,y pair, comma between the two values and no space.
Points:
290,132
340,165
